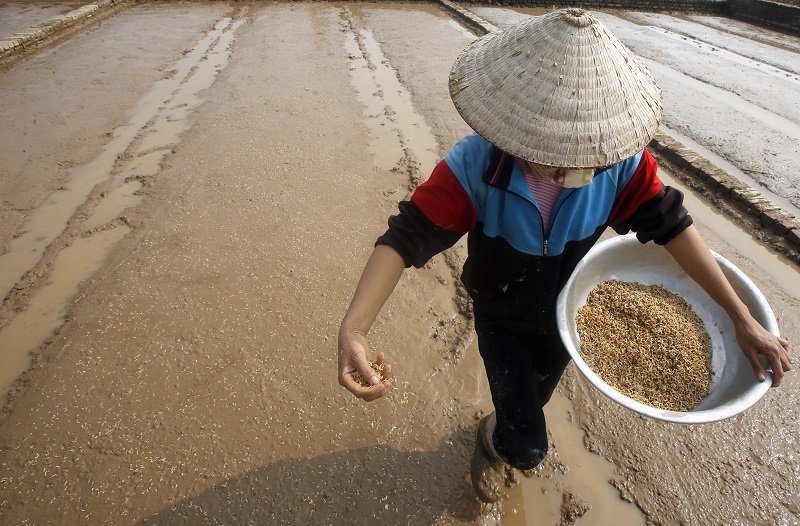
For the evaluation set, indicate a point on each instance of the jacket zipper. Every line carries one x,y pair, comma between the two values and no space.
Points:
545,243
545,238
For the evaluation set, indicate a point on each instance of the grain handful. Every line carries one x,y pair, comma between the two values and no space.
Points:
378,368
647,343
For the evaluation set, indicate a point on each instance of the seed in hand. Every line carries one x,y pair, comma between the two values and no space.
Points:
378,368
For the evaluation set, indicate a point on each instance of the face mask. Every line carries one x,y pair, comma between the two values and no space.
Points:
577,177
566,177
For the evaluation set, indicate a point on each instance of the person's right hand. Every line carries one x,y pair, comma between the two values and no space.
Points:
755,341
354,351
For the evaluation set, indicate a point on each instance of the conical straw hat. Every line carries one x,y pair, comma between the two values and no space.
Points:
558,90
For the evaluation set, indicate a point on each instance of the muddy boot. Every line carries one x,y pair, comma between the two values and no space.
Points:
486,469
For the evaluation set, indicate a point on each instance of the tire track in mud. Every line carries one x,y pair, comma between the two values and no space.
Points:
402,142
65,241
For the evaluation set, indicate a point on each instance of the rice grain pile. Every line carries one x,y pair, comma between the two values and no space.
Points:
647,343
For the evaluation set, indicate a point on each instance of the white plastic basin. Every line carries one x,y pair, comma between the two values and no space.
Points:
734,387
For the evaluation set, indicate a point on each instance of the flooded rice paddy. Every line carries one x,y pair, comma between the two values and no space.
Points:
186,203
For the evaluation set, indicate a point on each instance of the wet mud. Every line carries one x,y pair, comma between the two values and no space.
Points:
184,219
18,15
128,161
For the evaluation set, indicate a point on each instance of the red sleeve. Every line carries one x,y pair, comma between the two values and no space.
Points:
444,201
643,186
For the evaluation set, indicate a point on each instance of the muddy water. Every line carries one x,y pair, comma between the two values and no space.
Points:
193,380
785,274
154,130
776,71
49,305
578,479
777,122
19,15
397,130
49,97
160,119
731,39
749,32
731,169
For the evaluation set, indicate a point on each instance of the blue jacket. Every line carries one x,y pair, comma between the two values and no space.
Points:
516,265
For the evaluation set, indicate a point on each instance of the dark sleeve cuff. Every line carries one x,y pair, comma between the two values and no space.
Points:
659,219
415,237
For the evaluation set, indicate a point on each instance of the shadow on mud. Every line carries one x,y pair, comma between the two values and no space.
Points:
376,485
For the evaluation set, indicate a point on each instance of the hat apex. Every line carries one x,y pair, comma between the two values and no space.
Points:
558,90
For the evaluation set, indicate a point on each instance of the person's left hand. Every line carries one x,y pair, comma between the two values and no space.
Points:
755,340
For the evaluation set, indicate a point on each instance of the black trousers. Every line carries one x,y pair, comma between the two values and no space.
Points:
523,371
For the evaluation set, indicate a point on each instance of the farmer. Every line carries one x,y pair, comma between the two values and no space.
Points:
562,112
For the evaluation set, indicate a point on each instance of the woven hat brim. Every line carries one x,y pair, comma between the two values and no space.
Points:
558,90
